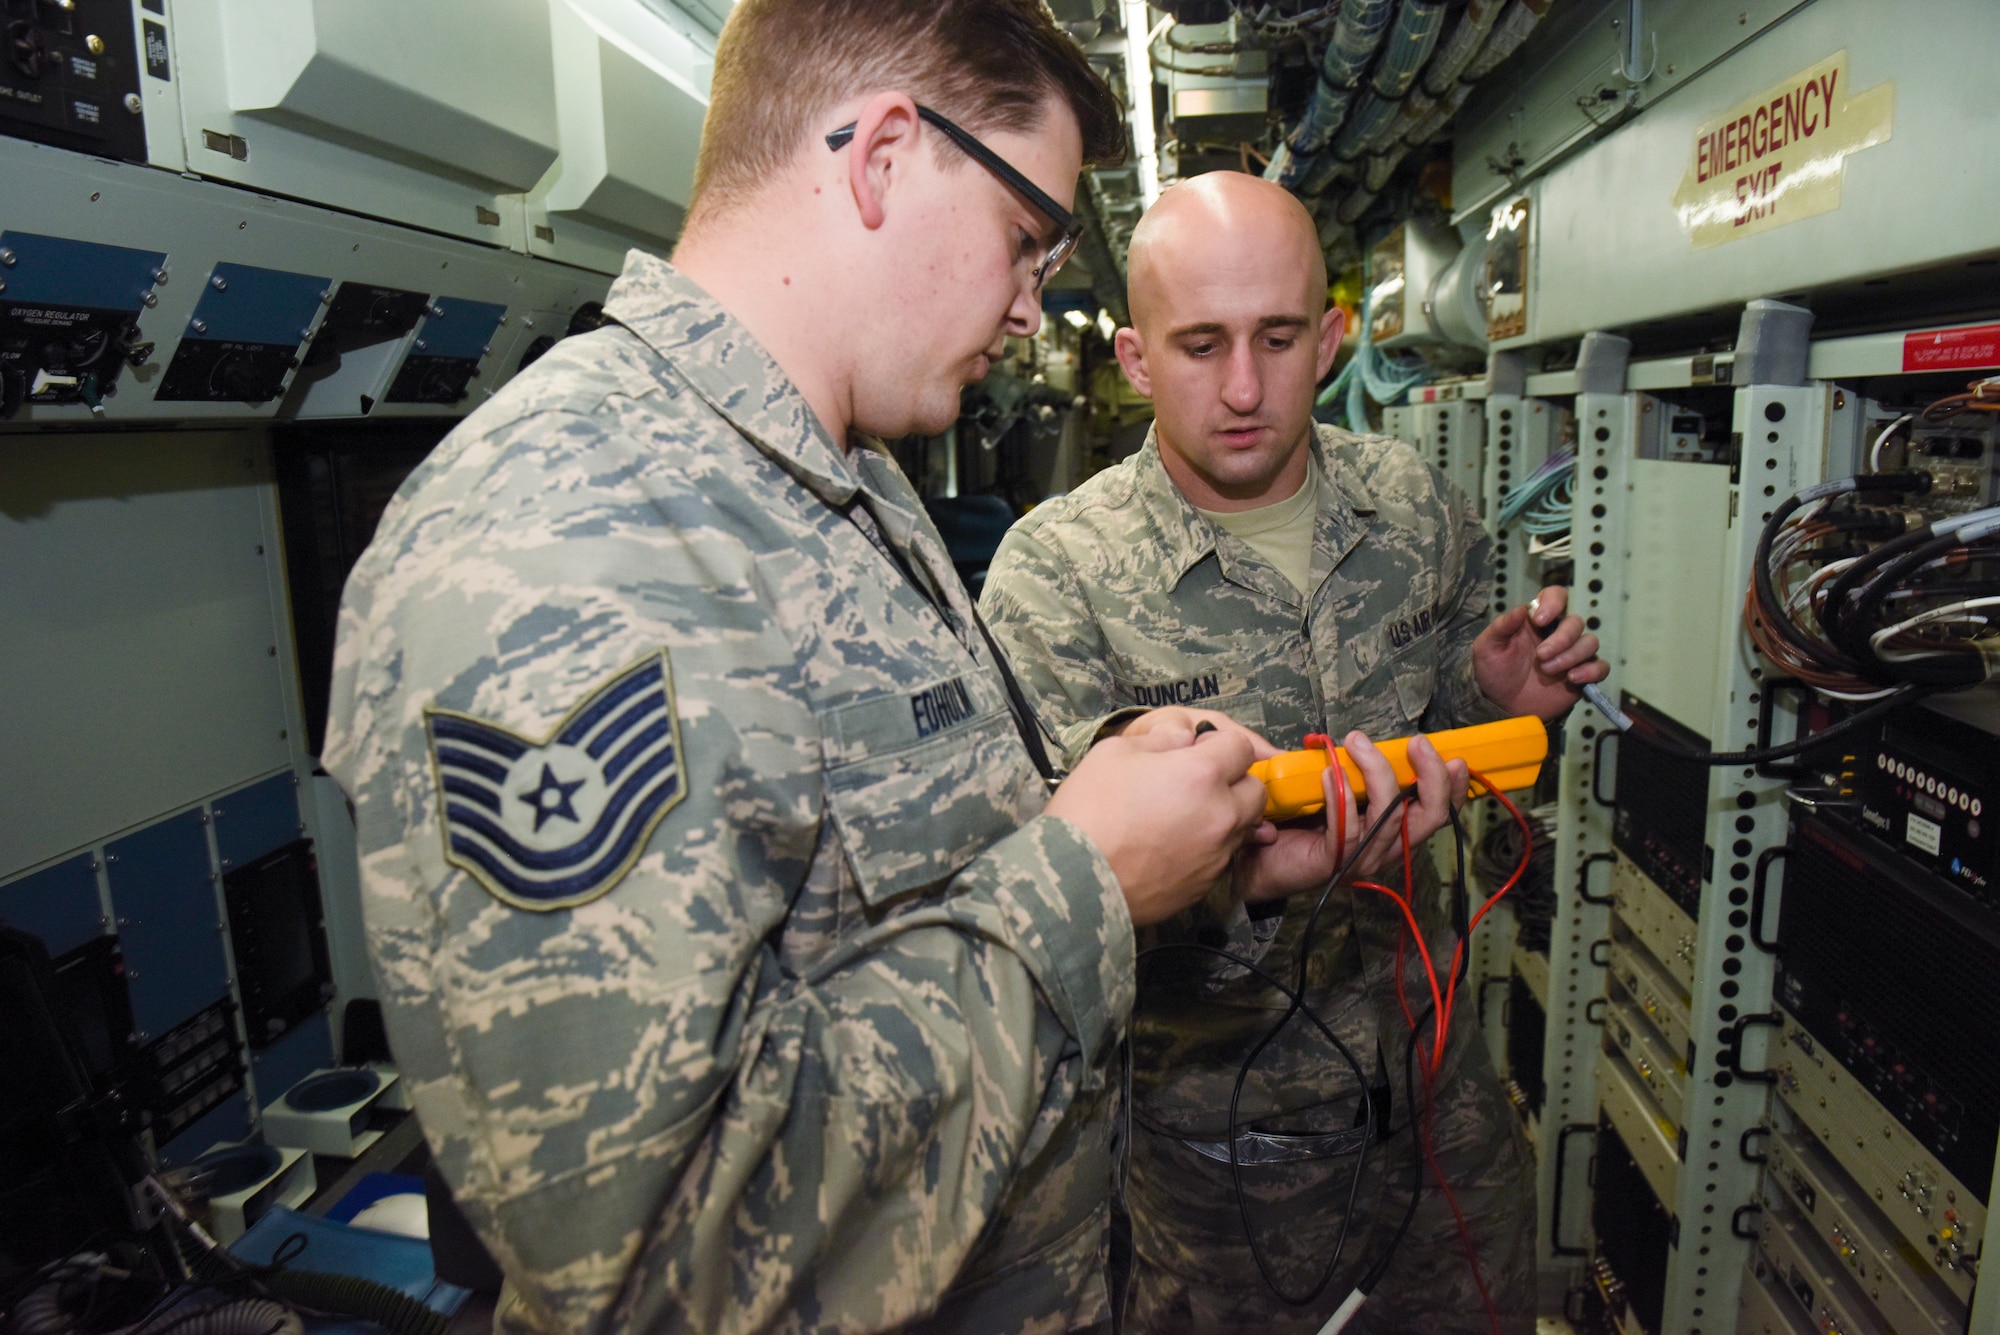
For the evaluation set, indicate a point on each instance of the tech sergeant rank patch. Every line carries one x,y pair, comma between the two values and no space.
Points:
553,824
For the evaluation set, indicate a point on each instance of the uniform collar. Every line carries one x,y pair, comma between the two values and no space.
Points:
719,359
1187,539
723,363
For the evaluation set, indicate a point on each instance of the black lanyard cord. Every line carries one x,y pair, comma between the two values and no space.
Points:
1026,723
1025,720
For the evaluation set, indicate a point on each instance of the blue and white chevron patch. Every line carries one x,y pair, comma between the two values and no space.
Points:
556,823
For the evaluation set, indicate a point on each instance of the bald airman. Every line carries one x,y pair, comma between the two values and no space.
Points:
1308,580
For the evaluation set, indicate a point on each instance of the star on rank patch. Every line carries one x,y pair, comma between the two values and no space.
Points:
556,823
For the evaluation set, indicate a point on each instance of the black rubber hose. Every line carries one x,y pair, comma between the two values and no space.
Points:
355,1297
347,1295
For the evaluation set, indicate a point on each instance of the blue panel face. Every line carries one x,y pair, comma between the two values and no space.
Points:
460,328
336,1249
226,1123
58,904
253,821
292,1058
255,305
169,928
55,271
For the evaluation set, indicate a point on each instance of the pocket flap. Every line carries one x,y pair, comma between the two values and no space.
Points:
921,784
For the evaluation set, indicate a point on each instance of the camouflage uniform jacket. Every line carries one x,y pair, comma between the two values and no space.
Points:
739,983
1121,595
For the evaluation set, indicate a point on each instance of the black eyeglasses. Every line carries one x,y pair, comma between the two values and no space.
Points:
1065,244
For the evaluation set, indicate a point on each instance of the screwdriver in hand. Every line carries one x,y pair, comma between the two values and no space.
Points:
1617,717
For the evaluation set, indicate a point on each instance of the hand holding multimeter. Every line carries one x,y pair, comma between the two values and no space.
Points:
1282,860
1509,754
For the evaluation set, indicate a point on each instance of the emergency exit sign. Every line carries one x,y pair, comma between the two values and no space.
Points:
1779,156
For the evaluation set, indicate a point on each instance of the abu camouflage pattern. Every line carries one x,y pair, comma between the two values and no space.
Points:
1121,587
1194,1276
828,1051
1102,597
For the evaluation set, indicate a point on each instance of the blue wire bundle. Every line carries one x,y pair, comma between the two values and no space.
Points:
1372,374
1541,505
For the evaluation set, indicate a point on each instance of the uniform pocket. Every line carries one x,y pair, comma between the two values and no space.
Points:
911,814
1415,674
1247,709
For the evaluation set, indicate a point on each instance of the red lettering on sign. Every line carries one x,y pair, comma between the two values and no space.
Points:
1746,141
1952,349
1757,194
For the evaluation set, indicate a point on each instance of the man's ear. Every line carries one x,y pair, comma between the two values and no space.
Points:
1131,350
1332,327
877,156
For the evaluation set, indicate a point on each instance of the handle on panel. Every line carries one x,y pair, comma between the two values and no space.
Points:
1583,877
1556,1206
1759,890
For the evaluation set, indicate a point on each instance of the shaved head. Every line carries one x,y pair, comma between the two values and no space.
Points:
1231,332
1192,225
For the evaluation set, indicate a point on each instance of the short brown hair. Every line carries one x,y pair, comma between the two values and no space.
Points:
781,65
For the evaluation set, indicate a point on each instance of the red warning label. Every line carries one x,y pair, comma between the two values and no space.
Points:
1973,346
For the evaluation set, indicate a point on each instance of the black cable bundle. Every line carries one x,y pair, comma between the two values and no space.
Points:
1295,996
349,1296
1902,613
1882,627
1534,896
